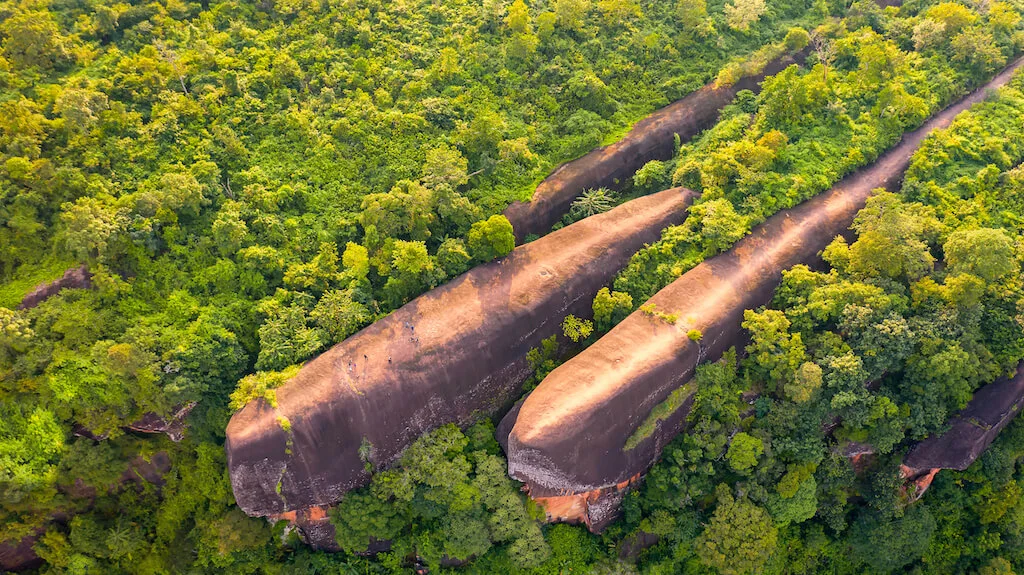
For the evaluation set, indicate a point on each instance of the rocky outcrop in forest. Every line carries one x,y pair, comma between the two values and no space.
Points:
450,355
970,433
612,166
74,278
572,441
20,555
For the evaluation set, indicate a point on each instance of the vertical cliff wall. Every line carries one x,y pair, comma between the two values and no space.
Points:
612,166
568,437
450,355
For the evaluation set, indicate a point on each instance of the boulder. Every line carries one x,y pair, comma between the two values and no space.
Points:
173,427
451,355
569,436
971,431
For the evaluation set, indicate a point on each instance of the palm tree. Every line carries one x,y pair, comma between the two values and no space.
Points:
592,202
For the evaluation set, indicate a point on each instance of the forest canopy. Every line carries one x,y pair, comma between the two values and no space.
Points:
250,183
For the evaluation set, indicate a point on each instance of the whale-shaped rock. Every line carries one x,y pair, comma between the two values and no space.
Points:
567,440
450,355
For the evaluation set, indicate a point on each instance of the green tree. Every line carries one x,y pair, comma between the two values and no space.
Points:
445,167
572,14
592,202
611,307
405,212
987,253
807,380
742,14
744,450
893,239
453,257
692,13
777,353
740,537
577,329
339,315
90,225
491,238
33,39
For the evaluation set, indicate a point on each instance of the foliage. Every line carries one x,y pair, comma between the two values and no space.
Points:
250,183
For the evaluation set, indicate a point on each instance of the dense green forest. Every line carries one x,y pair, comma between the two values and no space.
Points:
250,183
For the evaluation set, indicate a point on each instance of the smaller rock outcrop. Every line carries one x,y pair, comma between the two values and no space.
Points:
74,278
612,166
173,426
970,432
20,555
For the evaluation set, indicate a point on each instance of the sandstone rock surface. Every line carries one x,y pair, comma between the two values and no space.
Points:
971,431
450,355
568,437
612,166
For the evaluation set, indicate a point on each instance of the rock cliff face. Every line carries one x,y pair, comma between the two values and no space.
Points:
612,166
450,355
971,431
568,437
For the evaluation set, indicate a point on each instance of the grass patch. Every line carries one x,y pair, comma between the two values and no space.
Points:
661,412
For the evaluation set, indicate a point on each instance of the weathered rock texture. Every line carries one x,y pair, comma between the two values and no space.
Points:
450,355
612,166
970,433
74,278
314,527
569,434
19,555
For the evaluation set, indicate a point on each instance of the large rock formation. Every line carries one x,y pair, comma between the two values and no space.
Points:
568,439
450,355
970,433
612,166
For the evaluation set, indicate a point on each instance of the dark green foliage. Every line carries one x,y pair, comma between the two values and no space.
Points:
252,182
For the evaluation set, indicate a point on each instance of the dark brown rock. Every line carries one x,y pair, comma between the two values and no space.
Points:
173,427
19,555
74,278
450,355
613,166
569,435
971,431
